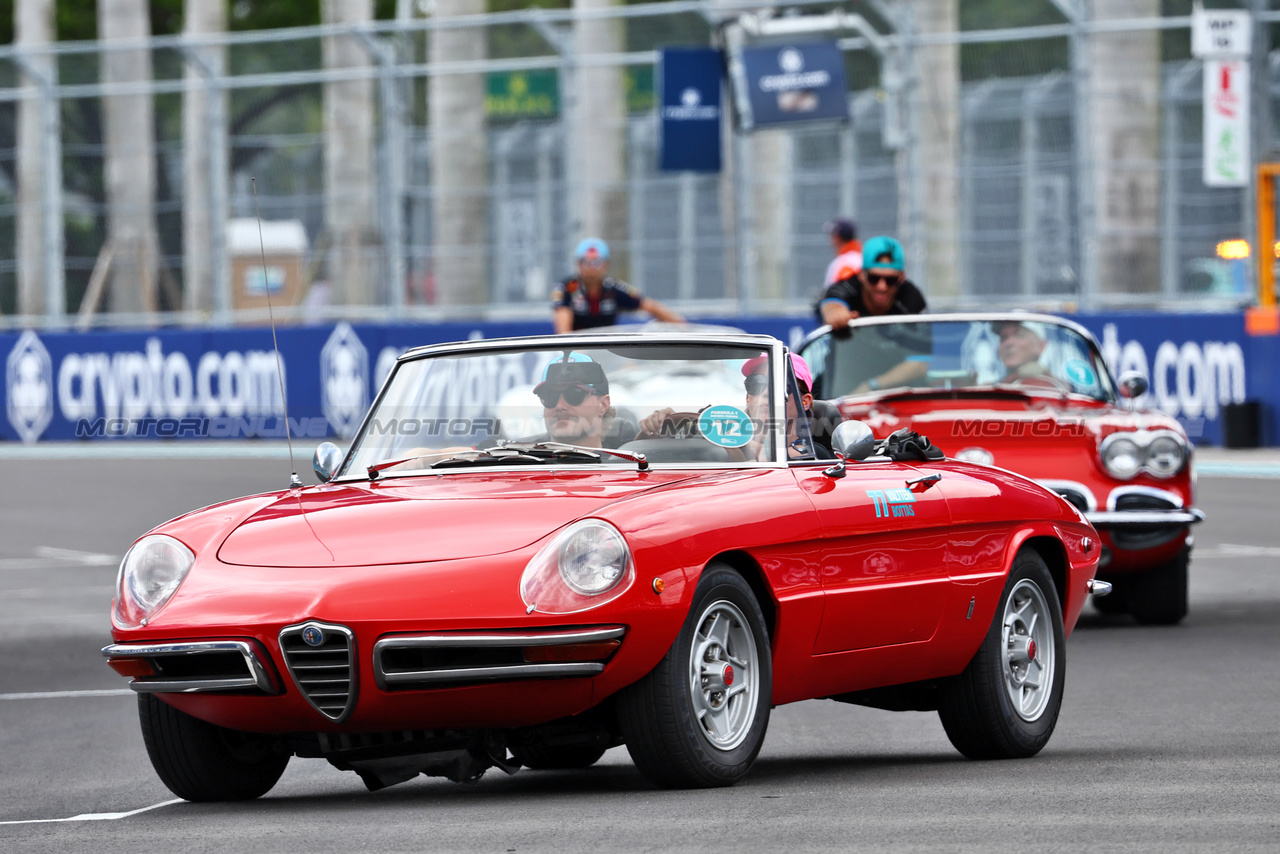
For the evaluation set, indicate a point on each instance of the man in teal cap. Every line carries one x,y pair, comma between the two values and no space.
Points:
593,298
880,287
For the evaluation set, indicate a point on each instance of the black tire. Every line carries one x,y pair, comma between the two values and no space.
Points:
1117,601
976,707
558,757
199,761
1159,596
659,715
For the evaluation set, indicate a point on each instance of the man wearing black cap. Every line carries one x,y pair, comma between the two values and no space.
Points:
848,260
575,401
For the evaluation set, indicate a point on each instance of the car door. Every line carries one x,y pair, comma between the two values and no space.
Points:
884,574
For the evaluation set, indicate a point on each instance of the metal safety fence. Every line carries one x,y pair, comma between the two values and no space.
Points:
445,168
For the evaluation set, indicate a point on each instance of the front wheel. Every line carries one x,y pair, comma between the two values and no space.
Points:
1159,595
199,761
698,719
1005,704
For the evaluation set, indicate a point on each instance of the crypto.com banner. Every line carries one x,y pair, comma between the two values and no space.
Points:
223,383
219,383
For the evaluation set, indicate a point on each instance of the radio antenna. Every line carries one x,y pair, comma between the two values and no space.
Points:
294,481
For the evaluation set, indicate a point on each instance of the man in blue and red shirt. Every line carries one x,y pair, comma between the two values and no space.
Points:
593,298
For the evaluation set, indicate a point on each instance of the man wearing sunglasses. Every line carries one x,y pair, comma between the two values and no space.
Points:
593,298
574,394
881,287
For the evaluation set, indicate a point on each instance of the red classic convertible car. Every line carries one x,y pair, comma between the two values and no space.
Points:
536,549
1031,393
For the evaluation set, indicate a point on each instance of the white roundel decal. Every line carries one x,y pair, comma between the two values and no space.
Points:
726,426
791,60
1079,372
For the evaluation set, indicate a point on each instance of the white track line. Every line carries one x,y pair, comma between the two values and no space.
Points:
1267,470
57,695
1233,550
95,816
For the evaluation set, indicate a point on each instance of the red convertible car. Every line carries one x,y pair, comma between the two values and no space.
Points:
537,549
1031,393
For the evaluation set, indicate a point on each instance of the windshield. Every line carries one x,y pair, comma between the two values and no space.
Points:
1029,355
684,403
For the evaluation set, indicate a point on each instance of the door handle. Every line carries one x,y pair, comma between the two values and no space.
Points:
920,484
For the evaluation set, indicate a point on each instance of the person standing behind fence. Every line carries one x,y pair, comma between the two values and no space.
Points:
593,298
880,287
848,260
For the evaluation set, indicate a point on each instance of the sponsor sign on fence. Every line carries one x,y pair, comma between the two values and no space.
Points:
224,383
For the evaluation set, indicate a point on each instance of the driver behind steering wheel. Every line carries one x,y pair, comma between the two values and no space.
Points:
1020,349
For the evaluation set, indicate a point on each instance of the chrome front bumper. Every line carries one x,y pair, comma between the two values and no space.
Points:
181,667
1143,518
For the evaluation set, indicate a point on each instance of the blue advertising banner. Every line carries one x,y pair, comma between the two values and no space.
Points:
792,83
223,383
690,109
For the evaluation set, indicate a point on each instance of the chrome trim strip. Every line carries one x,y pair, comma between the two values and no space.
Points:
490,640
495,673
1126,518
498,639
258,675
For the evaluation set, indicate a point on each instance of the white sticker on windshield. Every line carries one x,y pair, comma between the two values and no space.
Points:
726,426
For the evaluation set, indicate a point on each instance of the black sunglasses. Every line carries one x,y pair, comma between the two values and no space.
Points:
756,384
573,395
891,280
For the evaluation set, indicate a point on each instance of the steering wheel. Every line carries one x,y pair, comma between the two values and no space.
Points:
1042,381
680,425
675,425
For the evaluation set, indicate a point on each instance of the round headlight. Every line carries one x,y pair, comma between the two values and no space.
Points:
976,455
1165,455
149,576
1122,457
584,566
593,558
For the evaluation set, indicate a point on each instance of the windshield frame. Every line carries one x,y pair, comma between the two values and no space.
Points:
584,340
1111,388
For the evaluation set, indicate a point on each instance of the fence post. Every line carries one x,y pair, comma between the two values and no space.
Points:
390,171
53,238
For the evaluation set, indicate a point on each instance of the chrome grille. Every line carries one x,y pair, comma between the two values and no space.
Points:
1074,497
1141,501
325,672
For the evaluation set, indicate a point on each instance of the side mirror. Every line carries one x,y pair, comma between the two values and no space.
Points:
1133,385
327,458
853,440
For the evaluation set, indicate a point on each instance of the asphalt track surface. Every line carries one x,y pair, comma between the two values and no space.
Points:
1169,738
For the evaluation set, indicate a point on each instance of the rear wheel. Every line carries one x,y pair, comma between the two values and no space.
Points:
698,719
1005,704
545,757
199,761
1159,595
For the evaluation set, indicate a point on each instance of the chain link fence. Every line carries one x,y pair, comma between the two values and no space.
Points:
1050,166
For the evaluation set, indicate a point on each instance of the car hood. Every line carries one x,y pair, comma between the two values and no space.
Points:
424,518
947,418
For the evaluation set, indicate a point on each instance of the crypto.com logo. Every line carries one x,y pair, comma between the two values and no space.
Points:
29,380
